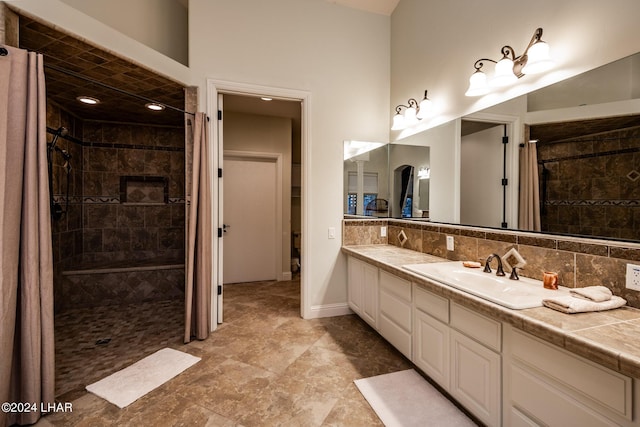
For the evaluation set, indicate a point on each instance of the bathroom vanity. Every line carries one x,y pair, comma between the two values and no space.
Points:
508,367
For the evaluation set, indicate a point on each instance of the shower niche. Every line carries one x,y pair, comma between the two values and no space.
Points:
144,190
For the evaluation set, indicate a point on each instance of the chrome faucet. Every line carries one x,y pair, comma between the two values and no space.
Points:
487,265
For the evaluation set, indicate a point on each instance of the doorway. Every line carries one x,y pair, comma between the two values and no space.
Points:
234,100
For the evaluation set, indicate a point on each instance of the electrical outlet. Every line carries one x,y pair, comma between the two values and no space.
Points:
450,244
383,231
633,277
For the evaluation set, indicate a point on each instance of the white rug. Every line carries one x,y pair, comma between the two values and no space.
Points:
404,398
126,386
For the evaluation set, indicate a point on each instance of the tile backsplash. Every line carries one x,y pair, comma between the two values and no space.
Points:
579,262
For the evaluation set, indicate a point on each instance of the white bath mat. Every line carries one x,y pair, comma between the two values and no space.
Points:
404,398
126,386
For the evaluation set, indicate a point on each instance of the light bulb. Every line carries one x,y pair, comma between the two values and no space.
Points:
503,75
398,122
538,59
477,84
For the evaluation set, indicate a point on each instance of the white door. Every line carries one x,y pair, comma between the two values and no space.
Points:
249,219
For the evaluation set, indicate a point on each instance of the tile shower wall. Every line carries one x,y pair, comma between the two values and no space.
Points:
593,185
67,231
578,262
114,229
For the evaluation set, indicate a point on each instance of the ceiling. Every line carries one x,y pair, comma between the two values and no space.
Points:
556,132
106,71
381,7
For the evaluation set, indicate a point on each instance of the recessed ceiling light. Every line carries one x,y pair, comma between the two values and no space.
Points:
88,100
266,98
154,106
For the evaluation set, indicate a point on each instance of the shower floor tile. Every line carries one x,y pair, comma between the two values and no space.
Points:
264,366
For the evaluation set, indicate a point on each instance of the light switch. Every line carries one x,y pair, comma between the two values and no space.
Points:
332,232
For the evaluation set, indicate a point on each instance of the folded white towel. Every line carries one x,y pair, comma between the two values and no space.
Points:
592,293
569,304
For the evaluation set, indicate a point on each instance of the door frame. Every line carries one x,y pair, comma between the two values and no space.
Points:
272,158
216,87
514,132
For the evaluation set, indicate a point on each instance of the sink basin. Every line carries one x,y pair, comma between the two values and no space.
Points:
514,294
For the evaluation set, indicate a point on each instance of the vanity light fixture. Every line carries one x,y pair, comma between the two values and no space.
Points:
154,106
89,100
510,68
412,114
424,173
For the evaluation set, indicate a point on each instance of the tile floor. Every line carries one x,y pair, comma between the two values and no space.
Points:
264,366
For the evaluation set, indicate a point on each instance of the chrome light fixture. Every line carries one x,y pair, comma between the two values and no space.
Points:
510,68
413,112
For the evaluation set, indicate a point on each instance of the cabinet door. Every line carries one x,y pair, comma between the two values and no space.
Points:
369,305
475,378
355,283
431,348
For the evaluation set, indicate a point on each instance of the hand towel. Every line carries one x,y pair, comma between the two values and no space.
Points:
592,293
569,304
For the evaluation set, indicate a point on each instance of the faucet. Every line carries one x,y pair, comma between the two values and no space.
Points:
487,265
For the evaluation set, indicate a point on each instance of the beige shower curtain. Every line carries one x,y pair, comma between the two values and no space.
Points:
199,242
26,267
529,202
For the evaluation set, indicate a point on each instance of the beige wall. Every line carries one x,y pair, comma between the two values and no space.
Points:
265,134
160,24
435,44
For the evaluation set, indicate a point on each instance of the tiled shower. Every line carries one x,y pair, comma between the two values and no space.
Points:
591,185
122,237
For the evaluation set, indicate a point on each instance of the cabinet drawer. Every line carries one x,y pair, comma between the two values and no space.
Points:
395,285
432,304
485,330
395,309
608,389
531,394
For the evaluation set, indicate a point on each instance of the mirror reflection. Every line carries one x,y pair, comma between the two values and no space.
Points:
580,139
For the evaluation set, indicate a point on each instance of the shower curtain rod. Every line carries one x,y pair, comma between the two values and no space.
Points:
99,83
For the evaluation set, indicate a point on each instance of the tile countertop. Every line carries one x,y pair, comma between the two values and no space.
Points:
609,338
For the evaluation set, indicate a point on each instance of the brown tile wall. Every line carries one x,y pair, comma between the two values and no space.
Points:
117,231
67,231
591,190
578,262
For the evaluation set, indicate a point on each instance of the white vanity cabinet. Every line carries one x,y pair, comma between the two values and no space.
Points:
502,375
460,350
546,385
362,290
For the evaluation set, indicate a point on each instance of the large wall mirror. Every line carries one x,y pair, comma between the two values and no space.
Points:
391,180
587,133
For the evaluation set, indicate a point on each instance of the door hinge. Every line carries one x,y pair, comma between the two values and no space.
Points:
219,232
505,139
219,172
505,181
219,114
219,289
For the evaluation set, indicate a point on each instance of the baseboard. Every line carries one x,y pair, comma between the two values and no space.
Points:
286,275
329,310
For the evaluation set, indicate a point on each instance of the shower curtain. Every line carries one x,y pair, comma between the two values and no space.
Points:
26,265
199,244
529,202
